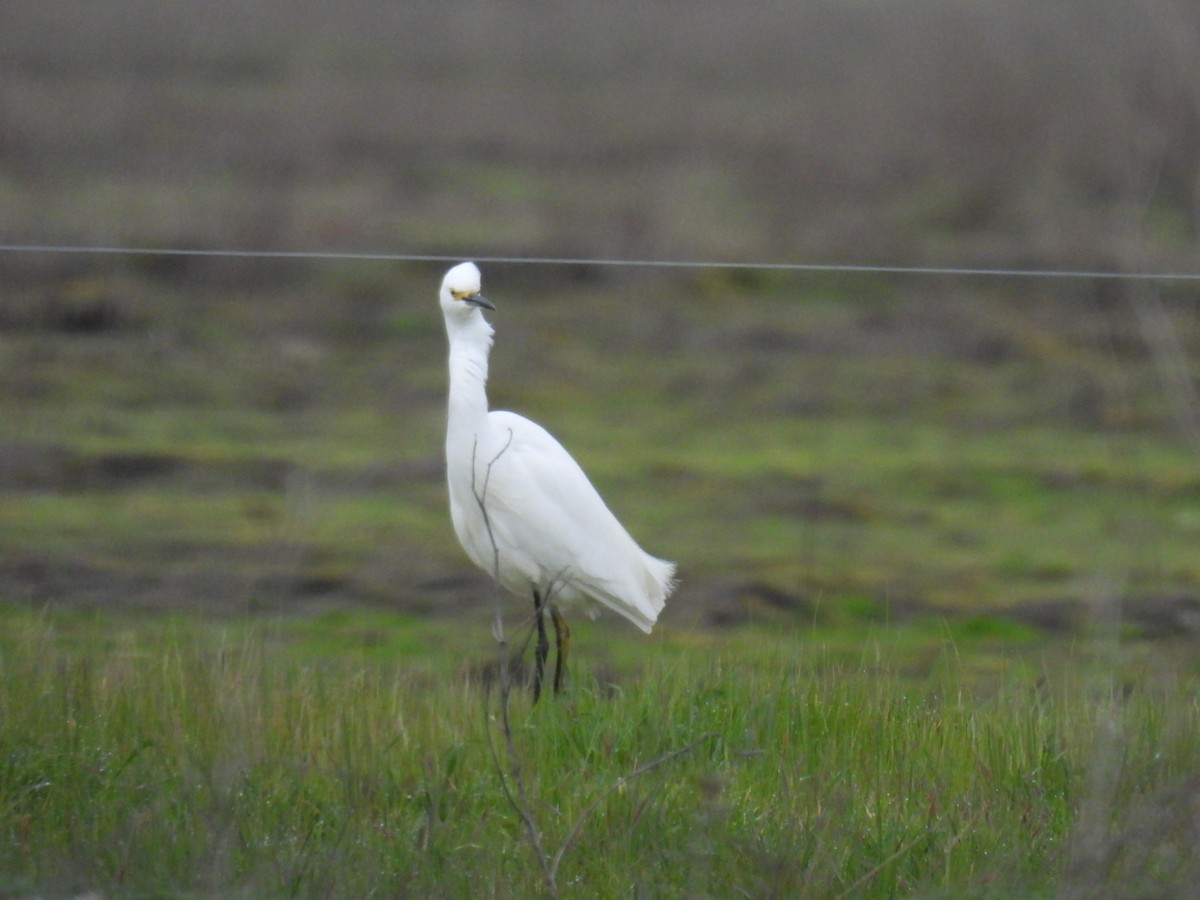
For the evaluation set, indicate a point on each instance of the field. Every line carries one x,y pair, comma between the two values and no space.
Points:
940,589
252,760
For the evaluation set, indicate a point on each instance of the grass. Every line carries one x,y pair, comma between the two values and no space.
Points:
879,506
171,758
831,444
827,441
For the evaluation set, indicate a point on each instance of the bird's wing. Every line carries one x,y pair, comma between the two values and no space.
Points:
551,520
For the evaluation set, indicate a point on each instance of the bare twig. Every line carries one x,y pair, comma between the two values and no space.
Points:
881,865
577,826
516,793
481,499
513,783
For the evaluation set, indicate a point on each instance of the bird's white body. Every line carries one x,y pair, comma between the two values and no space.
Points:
551,530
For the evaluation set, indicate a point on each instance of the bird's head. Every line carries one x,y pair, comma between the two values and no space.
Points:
460,292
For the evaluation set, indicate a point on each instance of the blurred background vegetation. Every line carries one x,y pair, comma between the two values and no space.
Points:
231,434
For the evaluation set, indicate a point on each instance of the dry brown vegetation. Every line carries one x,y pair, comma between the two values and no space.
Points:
915,132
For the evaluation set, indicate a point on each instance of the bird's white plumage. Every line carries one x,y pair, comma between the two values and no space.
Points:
552,530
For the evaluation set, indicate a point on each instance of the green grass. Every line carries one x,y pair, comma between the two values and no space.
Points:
793,432
350,758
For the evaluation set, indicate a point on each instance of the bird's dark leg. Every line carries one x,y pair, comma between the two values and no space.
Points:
542,649
562,638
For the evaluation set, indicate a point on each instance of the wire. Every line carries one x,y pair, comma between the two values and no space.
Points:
850,268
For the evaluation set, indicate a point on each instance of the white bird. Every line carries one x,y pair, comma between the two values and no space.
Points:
522,508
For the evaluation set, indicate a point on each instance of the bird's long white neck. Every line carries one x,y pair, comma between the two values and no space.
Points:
470,343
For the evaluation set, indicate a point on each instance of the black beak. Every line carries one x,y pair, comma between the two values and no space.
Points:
478,300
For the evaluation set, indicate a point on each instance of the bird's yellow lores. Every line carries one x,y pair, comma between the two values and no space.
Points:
550,533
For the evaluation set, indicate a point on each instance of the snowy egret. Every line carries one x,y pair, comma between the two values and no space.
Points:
522,507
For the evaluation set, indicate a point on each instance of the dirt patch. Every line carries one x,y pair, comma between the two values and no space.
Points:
39,467
1151,616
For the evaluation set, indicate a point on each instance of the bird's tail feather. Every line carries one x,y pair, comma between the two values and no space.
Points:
658,584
